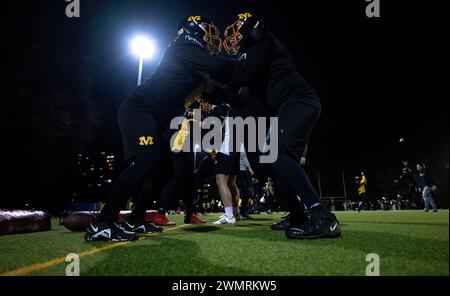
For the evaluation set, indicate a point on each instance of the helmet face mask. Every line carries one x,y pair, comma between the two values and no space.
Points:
232,38
212,37
203,31
237,35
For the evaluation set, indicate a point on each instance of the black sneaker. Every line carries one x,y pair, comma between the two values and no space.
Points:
140,226
108,231
282,225
246,216
293,218
322,224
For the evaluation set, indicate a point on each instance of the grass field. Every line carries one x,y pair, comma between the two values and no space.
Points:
408,243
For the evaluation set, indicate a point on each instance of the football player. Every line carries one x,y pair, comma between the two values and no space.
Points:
270,73
145,116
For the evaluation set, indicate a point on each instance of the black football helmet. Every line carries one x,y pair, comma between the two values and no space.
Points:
245,30
202,31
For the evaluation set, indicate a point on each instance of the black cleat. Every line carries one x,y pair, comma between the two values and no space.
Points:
322,224
108,231
140,226
282,225
246,216
293,218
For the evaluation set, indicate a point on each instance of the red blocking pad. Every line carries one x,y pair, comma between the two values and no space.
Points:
80,220
21,221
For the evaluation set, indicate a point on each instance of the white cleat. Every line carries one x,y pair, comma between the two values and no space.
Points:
225,220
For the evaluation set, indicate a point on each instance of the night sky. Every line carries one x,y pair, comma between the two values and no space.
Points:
379,80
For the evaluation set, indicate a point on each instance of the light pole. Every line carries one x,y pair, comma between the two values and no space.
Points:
141,66
196,147
143,48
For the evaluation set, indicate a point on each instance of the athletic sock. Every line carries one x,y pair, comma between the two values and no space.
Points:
229,212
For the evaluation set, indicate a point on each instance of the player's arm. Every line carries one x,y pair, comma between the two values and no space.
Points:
200,60
218,93
257,56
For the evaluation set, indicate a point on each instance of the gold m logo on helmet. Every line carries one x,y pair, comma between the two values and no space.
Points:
145,141
194,18
244,15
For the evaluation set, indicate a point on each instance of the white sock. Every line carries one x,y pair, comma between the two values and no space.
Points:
229,212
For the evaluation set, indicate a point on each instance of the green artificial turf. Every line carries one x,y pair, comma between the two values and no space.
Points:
407,242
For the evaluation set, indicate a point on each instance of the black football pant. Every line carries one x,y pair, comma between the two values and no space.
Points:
181,185
148,152
296,121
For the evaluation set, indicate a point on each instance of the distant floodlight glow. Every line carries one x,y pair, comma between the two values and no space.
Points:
143,47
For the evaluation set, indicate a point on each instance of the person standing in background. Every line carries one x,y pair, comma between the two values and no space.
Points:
427,185
364,200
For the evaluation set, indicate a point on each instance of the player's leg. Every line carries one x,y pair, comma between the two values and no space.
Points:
204,170
232,183
235,196
243,181
184,184
143,144
291,203
223,168
227,200
177,188
135,222
296,121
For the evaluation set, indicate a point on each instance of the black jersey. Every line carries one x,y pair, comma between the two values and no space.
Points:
270,72
178,79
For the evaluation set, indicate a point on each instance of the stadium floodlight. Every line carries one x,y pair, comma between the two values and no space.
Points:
144,48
